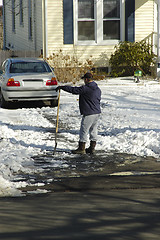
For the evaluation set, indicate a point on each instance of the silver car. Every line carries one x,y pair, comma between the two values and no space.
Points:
27,79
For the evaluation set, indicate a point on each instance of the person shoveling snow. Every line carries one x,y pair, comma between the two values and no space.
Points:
89,105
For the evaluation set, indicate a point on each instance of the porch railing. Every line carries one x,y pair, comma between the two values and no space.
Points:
152,39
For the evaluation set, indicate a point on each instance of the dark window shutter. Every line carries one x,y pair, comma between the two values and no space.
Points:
68,21
130,20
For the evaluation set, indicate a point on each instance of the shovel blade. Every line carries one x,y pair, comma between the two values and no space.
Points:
54,151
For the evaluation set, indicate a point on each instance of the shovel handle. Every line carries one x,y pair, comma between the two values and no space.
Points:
57,123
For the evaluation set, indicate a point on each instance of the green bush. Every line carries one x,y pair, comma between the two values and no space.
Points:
129,57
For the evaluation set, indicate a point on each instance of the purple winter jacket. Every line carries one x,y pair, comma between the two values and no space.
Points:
89,97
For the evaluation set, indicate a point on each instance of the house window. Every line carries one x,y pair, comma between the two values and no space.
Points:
30,30
111,19
98,21
86,20
21,12
13,16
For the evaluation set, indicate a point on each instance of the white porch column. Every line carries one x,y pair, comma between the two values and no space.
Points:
123,21
44,27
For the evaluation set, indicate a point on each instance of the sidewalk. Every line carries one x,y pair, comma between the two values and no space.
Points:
129,81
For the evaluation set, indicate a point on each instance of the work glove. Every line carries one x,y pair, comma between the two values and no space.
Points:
58,88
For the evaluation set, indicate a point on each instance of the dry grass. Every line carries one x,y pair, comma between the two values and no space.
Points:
68,68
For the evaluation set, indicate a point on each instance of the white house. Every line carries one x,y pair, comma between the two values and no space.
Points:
82,27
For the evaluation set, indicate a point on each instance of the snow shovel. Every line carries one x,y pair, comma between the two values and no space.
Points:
57,123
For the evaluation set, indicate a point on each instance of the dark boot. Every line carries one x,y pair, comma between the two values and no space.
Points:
91,148
80,149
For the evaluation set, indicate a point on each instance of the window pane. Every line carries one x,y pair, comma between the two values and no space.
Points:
21,11
13,16
30,18
30,67
111,30
111,8
86,30
86,9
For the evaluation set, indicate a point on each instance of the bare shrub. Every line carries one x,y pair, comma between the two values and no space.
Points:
67,67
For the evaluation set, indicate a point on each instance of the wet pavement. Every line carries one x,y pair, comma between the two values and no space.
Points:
102,197
87,172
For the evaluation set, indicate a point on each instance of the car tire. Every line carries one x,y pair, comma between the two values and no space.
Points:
54,103
3,102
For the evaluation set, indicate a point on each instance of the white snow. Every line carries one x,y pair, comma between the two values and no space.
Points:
129,123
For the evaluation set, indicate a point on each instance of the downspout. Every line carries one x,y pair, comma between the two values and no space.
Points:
158,30
44,27
35,28
4,26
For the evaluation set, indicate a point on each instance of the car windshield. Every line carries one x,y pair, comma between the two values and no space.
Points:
29,67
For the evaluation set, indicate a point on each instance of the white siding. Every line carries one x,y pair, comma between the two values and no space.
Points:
19,40
144,19
55,24
38,25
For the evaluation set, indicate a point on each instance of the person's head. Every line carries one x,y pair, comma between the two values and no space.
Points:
87,77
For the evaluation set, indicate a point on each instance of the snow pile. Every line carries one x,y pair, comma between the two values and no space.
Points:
129,123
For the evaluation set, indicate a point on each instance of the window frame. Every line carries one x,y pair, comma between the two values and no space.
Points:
98,17
30,20
21,12
93,20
